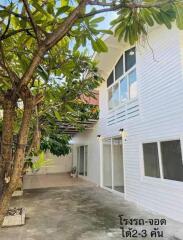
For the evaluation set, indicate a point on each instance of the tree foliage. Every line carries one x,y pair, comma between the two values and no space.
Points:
132,23
57,144
45,69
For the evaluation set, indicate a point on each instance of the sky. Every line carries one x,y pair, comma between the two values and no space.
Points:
108,17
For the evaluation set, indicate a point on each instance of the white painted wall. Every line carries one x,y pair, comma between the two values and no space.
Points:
93,165
160,99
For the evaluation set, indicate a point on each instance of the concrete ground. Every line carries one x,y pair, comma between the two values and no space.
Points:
79,213
53,180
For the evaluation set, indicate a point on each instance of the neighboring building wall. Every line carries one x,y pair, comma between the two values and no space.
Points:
160,99
62,164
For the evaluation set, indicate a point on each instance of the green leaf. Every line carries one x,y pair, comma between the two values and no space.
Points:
166,20
105,31
3,14
179,15
126,37
62,10
101,45
42,72
24,61
40,162
95,46
69,108
97,20
39,8
146,14
156,16
50,8
57,115
64,2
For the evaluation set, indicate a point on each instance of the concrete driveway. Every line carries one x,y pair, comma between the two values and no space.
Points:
79,213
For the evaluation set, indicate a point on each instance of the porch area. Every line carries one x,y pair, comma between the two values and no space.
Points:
78,210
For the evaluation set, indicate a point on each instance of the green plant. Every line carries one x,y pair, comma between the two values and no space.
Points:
37,163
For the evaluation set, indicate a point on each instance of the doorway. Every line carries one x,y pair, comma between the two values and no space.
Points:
82,160
113,168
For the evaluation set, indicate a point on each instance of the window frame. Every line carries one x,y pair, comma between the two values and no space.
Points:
125,74
161,179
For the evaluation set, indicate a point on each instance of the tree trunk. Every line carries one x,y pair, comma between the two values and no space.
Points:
18,159
36,138
7,141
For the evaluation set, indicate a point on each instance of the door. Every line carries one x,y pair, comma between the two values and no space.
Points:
113,169
107,163
82,158
118,183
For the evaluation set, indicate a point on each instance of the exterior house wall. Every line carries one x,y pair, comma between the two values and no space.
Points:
160,100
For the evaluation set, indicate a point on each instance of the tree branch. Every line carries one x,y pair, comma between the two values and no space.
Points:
10,34
103,3
114,7
131,4
26,5
7,27
50,41
38,98
13,76
1,98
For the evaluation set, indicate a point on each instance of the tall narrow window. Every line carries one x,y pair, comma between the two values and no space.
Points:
115,94
110,98
119,68
82,160
133,84
172,160
123,89
110,79
151,160
130,59
86,160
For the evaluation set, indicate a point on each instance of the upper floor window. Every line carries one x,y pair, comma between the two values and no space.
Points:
122,82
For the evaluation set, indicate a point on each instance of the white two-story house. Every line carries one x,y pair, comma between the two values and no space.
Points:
136,148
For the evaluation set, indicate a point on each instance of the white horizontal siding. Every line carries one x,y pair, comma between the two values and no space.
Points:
160,86
161,109
160,99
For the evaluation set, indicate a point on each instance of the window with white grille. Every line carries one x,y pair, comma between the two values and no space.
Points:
122,82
